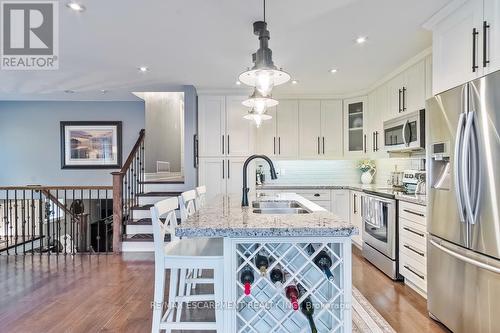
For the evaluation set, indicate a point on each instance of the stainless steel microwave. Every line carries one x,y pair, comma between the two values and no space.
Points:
405,133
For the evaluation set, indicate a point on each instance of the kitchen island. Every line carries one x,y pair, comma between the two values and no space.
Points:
287,263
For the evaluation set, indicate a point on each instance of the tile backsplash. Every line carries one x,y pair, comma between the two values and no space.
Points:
324,172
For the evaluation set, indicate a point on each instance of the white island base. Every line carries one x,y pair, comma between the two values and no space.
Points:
267,309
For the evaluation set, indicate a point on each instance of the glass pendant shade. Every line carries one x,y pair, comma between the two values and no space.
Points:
257,117
259,103
264,79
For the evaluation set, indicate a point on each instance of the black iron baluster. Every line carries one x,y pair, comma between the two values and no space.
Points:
40,220
16,221
72,222
57,241
23,221
88,227
7,219
106,222
65,222
99,222
32,220
142,167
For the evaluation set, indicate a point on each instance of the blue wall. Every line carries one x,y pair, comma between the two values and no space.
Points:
30,139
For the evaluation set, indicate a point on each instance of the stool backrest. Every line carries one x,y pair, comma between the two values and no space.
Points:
201,192
163,209
187,204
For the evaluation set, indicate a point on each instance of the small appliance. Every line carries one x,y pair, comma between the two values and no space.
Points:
405,133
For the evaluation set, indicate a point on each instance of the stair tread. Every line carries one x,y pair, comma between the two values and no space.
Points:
142,238
162,182
145,221
159,194
142,207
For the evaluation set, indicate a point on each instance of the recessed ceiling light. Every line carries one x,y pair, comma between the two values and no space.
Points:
361,40
333,70
238,83
75,6
143,69
295,82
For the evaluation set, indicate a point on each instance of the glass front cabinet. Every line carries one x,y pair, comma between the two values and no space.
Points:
355,126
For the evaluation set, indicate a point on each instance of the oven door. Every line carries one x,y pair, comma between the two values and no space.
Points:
379,224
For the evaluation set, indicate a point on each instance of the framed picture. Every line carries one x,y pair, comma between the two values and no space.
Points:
91,144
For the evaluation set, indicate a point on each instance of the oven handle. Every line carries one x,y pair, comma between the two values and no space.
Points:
371,224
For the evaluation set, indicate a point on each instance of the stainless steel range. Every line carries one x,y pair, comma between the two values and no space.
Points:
379,224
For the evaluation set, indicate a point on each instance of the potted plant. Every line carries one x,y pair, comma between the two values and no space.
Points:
368,170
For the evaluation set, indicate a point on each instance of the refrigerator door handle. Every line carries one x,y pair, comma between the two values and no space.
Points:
457,167
468,165
465,258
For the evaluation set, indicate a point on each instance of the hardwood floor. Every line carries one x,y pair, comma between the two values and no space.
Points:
113,294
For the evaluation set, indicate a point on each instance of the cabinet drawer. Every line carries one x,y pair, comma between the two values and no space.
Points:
412,231
412,212
314,195
414,250
413,270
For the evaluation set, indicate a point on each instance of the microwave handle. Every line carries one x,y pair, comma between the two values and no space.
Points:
404,133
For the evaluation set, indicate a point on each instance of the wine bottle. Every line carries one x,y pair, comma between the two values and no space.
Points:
292,294
247,278
262,264
277,277
307,308
324,262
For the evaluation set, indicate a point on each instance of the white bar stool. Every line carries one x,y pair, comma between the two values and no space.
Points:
180,256
201,192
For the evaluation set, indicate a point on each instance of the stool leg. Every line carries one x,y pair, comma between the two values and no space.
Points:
181,293
172,292
158,299
218,292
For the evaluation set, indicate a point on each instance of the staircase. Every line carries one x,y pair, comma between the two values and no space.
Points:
138,235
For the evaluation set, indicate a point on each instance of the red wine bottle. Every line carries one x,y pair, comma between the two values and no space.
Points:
292,293
247,278
324,262
277,277
262,264
307,308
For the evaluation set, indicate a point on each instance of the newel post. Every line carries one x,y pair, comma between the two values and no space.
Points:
117,211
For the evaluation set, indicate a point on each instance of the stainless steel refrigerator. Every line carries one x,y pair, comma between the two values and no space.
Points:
463,150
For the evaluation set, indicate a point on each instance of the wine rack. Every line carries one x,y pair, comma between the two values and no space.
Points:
267,309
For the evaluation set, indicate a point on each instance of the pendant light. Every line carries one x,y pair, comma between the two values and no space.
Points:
259,103
257,117
264,75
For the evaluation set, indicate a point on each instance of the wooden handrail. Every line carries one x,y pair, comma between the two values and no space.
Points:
130,157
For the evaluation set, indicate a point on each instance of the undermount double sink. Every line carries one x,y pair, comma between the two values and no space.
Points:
279,207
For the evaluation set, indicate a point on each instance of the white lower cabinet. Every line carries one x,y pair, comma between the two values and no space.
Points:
340,203
224,175
413,245
355,216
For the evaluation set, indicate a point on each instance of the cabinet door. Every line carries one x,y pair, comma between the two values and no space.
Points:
382,114
340,203
453,45
355,215
239,131
372,119
414,95
288,129
310,129
354,127
234,176
428,77
395,95
331,129
211,125
212,174
492,18
266,135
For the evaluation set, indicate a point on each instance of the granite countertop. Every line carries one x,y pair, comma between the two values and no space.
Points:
224,217
415,198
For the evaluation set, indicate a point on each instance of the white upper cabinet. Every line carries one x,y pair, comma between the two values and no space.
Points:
310,138
221,127
355,119
287,129
239,132
458,43
331,128
491,39
414,88
395,94
211,125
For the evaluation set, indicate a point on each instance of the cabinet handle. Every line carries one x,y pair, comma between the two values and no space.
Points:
474,34
274,145
223,169
486,26
373,141
323,145
404,98
228,174
414,272
318,146
414,232
279,145
223,144
399,100
317,194
365,142
414,250
376,141
414,213
228,144
354,205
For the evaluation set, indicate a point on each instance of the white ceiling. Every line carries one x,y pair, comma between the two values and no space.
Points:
207,43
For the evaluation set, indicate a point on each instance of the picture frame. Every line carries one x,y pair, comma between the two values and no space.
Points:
91,144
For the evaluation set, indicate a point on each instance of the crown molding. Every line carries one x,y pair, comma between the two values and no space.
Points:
441,14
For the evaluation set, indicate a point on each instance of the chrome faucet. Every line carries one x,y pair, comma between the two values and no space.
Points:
244,200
